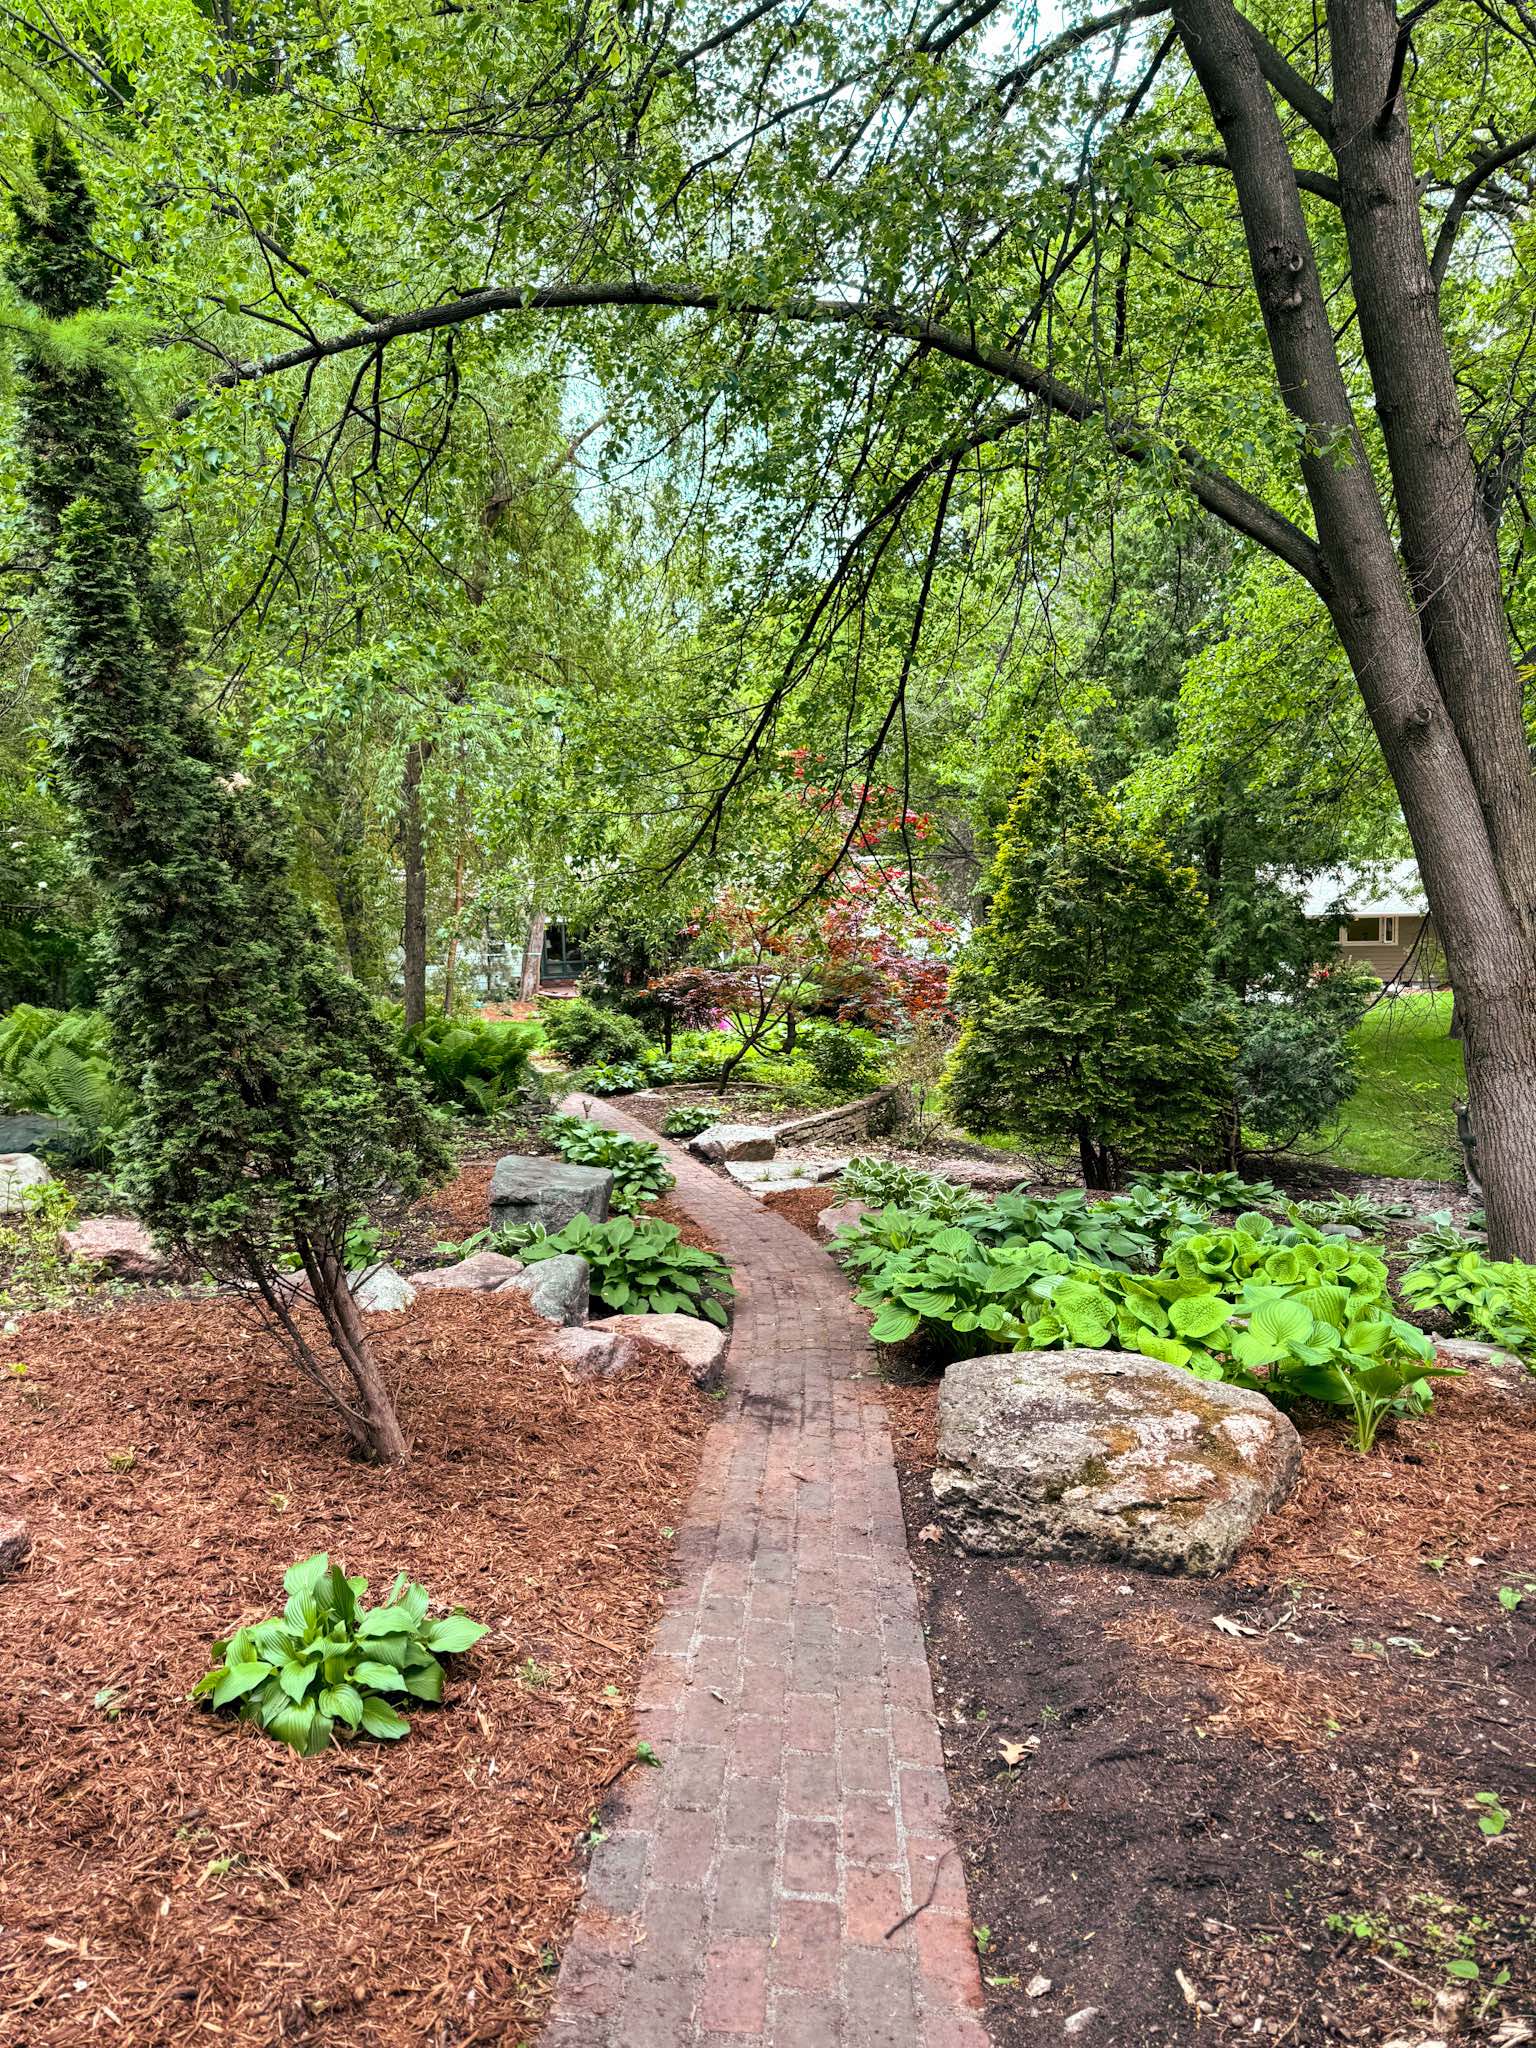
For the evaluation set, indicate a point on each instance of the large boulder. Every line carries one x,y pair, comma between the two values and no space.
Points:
477,1274
734,1141
559,1289
1107,1456
120,1244
18,1172
31,1133
549,1192
700,1345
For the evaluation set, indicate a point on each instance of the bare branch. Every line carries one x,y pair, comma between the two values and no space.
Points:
1316,182
1463,195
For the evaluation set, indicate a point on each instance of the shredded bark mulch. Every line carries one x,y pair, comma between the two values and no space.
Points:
802,1205
1247,1809
168,1874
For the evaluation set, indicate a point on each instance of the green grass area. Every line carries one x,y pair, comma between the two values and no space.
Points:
1402,1118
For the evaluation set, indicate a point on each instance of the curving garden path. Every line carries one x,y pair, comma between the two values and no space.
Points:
746,1891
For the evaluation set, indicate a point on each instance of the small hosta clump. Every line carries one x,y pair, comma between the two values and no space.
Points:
328,1666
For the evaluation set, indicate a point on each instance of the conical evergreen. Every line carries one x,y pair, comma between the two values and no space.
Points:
272,1104
1085,994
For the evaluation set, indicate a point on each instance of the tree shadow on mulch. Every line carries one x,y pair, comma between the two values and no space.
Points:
167,1873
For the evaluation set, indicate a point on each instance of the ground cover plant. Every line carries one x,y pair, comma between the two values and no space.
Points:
59,1064
471,1063
639,1266
1401,1118
639,1172
327,1666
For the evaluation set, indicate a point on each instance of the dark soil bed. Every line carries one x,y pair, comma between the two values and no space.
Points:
170,1875
1265,1830
802,1205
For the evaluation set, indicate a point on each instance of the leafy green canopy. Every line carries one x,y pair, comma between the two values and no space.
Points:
1080,991
272,1103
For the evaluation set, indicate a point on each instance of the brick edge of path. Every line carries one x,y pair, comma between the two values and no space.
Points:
743,1892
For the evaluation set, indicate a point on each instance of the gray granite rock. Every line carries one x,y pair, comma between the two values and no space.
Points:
380,1290
700,1345
559,1289
593,1353
527,1190
477,1274
734,1141
1107,1456
833,1218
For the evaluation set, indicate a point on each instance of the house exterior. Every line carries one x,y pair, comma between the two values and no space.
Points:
1383,922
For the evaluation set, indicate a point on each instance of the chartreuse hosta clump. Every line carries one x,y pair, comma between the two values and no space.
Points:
1282,1309
329,1666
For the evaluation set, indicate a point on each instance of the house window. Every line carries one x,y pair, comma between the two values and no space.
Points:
1369,931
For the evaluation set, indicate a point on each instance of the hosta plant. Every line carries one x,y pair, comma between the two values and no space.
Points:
962,1294
639,1172
1211,1190
1362,1212
882,1183
640,1267
329,1666
1103,1232
688,1120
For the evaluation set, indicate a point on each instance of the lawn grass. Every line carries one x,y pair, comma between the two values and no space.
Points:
1402,1119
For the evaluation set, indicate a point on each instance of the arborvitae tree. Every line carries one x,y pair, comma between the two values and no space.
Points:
273,1106
1085,995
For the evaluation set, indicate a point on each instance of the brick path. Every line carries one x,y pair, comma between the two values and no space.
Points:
744,1890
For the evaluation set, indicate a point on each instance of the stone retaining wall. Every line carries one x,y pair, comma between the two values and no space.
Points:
872,1116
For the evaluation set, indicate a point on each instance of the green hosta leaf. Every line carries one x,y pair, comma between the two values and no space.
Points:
295,1675
1166,1348
1198,1315
394,1620
716,1313
454,1634
237,1679
303,1577
1280,1323
381,1720
382,1677
293,1725
342,1703
425,1681
894,1326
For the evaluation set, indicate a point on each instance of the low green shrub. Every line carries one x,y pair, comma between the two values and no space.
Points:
881,1183
639,1172
605,1079
35,1270
471,1063
329,1666
640,1267
844,1061
581,1034
688,1120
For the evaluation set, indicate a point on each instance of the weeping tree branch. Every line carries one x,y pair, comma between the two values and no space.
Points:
1218,492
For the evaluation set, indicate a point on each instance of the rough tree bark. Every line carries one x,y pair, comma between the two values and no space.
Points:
413,857
1429,651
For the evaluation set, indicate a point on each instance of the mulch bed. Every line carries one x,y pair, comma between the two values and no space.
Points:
802,1205
168,1874
1269,1835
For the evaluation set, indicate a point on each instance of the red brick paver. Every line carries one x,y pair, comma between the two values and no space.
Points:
743,1893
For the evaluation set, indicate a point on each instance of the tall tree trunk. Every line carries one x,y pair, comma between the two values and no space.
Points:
413,857
533,954
379,1429
1460,789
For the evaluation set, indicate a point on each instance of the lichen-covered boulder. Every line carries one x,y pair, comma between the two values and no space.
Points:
734,1141
1107,1456
18,1172
559,1289
477,1274
120,1244
526,1190
700,1345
